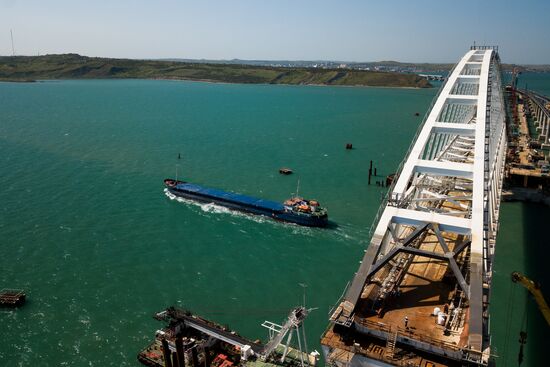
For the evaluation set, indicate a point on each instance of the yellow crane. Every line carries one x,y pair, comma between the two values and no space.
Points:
534,289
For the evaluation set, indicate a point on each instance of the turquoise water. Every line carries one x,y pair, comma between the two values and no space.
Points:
539,82
88,232
521,246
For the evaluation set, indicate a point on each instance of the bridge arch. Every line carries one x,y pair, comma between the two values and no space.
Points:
442,209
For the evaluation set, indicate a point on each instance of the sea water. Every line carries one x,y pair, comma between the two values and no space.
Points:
88,231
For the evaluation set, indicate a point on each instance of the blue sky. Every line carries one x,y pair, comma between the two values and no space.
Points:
349,30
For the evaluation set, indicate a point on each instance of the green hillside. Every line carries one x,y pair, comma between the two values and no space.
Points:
72,66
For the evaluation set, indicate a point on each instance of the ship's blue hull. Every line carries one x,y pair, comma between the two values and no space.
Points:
247,204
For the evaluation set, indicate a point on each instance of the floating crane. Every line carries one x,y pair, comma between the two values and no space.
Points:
534,289
293,323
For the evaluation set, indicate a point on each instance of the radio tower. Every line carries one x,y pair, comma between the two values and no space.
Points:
12,47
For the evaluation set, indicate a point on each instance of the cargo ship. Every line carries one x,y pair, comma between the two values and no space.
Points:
294,210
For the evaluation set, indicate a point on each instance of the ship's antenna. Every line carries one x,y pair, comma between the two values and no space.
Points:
298,189
12,47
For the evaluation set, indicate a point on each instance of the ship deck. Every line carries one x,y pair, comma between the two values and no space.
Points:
231,197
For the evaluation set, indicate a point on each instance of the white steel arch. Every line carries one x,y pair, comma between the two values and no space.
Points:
447,192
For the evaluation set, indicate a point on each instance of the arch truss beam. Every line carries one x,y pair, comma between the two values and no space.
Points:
447,192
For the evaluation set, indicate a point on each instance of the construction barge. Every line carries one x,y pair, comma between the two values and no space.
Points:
192,341
12,297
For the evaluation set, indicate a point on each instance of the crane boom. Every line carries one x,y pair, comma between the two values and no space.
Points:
535,290
293,322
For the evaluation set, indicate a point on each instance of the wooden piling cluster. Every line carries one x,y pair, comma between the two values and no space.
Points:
387,182
370,171
378,183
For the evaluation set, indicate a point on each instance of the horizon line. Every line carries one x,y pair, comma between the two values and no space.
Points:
257,60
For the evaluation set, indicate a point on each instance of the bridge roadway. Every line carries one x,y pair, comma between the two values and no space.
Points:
434,237
541,114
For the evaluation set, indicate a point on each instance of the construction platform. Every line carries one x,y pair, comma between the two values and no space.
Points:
12,297
192,341
409,309
527,157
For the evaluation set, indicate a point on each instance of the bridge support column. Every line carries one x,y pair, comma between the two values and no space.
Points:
538,118
545,128
544,121
540,124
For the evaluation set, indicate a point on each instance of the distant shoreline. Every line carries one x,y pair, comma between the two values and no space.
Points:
72,66
296,85
211,82
18,81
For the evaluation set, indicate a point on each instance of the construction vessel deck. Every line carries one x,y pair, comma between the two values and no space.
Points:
190,340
